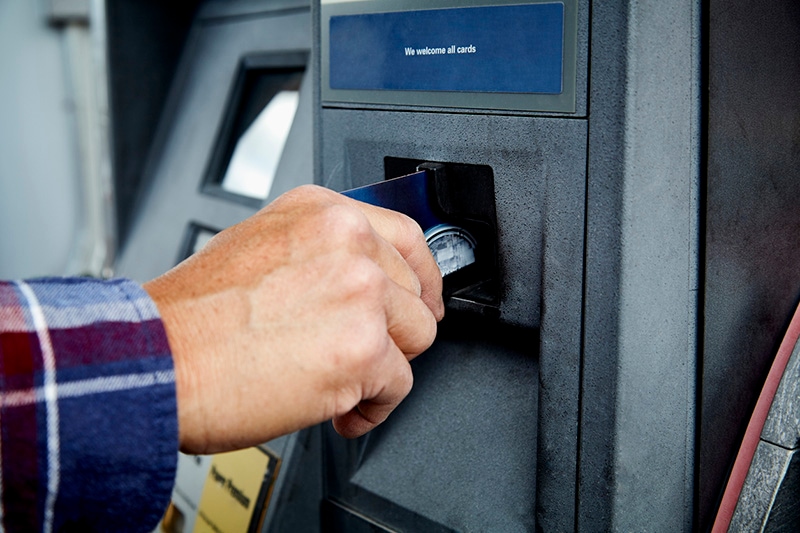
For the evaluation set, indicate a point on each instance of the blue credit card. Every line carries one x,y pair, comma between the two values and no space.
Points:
452,247
409,195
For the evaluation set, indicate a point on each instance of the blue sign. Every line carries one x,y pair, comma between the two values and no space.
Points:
497,49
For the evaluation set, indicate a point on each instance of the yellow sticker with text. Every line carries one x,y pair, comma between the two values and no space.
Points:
231,491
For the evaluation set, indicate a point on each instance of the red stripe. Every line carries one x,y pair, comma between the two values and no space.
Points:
18,352
753,434
108,342
19,356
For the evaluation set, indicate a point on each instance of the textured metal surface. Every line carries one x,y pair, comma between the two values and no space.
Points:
461,449
639,370
768,499
753,223
782,426
538,167
785,514
639,364
767,471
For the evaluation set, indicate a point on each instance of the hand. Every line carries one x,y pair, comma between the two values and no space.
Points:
310,310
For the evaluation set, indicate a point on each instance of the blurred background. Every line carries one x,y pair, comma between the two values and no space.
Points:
56,209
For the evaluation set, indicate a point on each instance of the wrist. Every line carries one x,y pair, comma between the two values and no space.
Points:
184,378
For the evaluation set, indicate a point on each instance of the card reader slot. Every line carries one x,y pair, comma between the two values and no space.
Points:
463,197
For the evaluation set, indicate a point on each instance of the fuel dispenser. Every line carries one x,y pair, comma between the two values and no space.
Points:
583,391
614,213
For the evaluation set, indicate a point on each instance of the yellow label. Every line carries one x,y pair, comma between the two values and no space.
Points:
230,493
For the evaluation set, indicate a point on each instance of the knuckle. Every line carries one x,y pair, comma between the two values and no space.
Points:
429,334
370,346
415,283
406,380
410,225
346,226
310,191
424,335
299,195
364,279
347,219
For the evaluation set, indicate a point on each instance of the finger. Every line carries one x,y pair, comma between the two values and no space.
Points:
406,236
389,259
410,322
371,412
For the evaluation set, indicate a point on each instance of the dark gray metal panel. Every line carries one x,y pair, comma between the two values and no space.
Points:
298,490
639,369
520,148
220,9
145,41
461,449
752,266
539,168
560,342
177,167
637,434
526,155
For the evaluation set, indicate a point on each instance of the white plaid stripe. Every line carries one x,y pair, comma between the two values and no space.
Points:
50,394
86,387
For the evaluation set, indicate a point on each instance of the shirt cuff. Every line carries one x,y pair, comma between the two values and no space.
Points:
106,422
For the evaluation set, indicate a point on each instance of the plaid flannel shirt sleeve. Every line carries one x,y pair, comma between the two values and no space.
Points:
88,419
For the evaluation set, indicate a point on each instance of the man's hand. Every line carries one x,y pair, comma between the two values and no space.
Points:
307,311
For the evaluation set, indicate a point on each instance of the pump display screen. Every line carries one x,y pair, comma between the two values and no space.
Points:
257,153
503,49
492,54
255,129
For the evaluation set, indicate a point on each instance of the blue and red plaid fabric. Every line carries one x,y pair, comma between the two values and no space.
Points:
88,414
